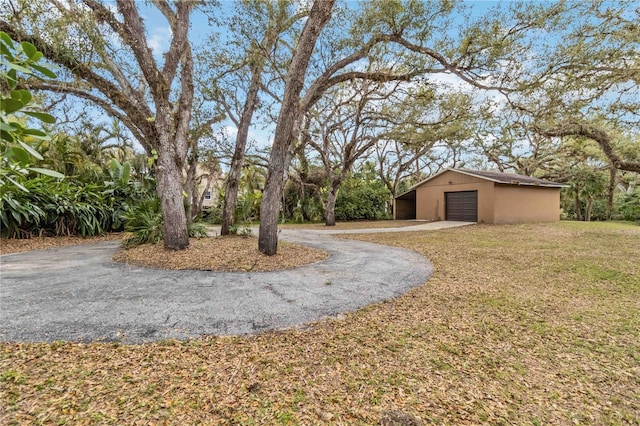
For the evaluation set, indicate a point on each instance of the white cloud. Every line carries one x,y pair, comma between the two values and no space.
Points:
229,131
159,40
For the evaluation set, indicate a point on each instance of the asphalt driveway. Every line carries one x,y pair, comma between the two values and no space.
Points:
77,293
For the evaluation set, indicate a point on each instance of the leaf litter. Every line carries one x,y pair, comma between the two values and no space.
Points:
230,253
511,329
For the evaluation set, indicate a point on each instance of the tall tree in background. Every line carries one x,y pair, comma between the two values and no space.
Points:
405,40
424,126
257,27
344,130
115,68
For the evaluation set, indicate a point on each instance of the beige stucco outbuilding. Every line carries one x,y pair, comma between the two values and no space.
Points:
480,196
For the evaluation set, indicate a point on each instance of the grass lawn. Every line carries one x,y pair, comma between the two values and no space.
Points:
521,324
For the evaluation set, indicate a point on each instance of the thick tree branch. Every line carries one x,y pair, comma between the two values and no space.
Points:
593,133
185,103
83,72
180,29
100,102
320,85
449,66
135,39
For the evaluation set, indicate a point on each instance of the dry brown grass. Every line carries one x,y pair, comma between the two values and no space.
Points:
230,253
523,324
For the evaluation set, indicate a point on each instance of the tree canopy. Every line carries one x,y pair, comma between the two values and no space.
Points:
410,86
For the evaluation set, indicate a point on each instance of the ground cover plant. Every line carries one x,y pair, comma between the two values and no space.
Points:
520,324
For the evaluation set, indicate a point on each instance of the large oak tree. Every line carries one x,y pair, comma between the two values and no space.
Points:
107,60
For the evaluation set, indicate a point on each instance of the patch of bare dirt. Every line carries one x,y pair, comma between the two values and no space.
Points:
12,245
229,253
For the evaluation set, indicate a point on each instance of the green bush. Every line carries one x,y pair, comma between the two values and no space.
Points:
18,215
628,206
50,207
248,206
197,229
144,220
362,200
45,206
211,214
302,203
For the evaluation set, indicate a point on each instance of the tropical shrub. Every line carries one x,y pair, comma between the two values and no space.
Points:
303,202
248,206
360,199
144,221
44,206
628,206
124,192
18,215
211,214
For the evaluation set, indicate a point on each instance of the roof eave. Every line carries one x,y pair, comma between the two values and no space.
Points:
413,188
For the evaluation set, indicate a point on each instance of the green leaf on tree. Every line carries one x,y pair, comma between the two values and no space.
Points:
16,184
19,68
10,106
44,70
29,49
8,127
6,135
22,95
47,118
17,155
6,39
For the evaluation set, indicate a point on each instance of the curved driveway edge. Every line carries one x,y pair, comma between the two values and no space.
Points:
78,293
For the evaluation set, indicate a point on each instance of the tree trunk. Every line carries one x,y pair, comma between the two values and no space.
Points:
231,193
612,187
588,208
578,208
270,206
169,188
330,207
190,187
231,188
288,124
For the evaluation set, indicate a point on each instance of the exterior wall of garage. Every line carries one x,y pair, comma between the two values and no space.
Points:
430,197
526,204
